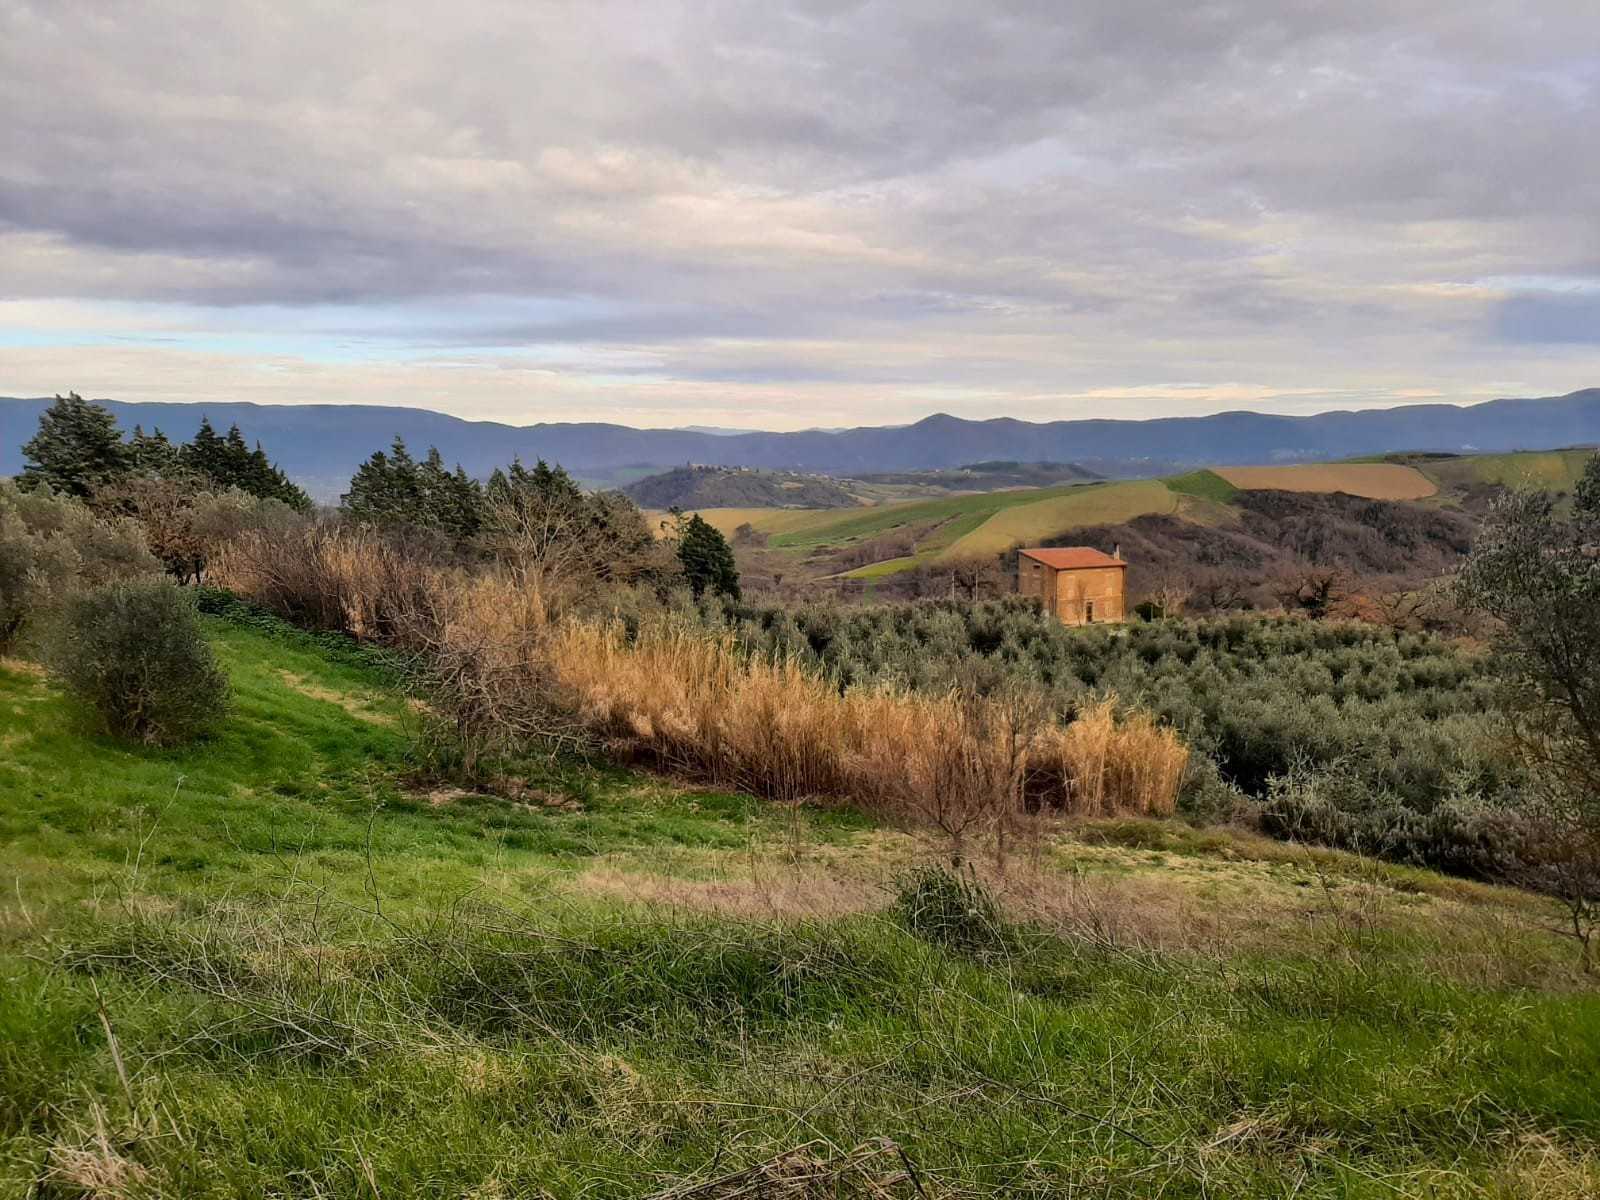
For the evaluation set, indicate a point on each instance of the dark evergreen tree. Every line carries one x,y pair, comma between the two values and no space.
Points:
206,455
78,448
152,453
707,559
394,489
451,503
236,464
367,499
465,515
229,462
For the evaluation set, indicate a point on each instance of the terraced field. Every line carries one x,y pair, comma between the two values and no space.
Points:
1375,481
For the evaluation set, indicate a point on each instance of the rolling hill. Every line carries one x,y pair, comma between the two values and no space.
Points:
879,541
729,487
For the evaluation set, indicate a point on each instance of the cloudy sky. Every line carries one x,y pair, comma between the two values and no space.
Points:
789,213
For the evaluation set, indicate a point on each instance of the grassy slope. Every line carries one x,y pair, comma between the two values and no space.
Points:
1106,504
1203,485
1556,470
609,983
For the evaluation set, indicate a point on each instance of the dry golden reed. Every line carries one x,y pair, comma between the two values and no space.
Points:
693,703
504,669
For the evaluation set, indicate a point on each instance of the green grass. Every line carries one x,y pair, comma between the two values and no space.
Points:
1553,470
322,982
983,525
838,526
1204,485
1029,524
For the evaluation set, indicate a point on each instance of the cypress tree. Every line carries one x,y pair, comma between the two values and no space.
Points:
206,455
707,559
78,448
152,453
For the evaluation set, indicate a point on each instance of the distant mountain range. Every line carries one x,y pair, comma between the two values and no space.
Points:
321,444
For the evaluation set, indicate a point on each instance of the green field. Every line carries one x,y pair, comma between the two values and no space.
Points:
275,964
1203,485
1028,524
1553,470
973,525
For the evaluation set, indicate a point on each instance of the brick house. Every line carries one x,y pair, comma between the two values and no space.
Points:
1080,585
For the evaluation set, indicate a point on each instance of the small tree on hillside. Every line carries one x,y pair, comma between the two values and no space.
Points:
707,558
1536,573
78,448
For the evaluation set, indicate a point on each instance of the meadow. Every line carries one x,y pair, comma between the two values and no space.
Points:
283,961
1552,470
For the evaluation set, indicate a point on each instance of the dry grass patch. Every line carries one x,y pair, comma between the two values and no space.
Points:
1375,481
357,706
1540,1167
680,700
769,891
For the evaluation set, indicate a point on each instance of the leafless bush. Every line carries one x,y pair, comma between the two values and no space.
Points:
331,576
484,668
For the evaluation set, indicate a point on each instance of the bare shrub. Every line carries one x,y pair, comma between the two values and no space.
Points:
484,668
326,575
184,525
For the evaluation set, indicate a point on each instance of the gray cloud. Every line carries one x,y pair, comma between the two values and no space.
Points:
1572,319
1031,200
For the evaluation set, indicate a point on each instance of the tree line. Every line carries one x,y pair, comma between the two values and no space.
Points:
79,451
545,513
190,496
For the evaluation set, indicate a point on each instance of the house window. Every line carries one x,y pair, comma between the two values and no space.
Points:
1088,610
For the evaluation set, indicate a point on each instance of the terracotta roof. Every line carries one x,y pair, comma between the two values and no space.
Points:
1067,558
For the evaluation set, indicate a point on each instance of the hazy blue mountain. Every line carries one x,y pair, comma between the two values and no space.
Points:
321,444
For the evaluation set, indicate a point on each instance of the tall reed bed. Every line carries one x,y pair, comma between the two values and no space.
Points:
685,701
500,668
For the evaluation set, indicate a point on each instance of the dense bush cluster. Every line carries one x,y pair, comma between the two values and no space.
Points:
135,653
51,546
1345,733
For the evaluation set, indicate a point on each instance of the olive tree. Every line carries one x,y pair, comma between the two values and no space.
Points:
1536,572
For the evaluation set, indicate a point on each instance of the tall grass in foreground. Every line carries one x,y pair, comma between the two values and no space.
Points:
694,703
504,663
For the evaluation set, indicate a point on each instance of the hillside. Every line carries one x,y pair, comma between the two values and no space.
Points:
276,963
883,540
725,487
320,445
984,476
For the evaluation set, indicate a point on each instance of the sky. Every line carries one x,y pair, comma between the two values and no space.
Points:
794,213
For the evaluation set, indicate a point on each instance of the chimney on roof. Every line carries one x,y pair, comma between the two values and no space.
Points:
1116,553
